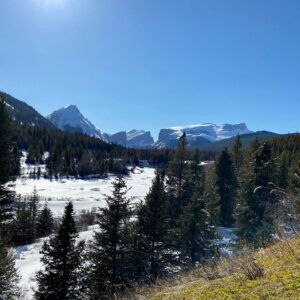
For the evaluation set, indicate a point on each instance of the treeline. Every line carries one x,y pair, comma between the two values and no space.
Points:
75,154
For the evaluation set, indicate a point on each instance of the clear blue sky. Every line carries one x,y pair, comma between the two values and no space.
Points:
156,63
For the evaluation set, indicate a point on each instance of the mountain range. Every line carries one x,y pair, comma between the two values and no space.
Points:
206,136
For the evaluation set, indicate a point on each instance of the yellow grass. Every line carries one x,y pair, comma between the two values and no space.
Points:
280,278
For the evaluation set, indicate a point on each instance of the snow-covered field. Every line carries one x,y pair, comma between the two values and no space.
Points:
28,262
85,194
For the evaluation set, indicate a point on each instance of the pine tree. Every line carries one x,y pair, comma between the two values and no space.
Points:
237,153
23,232
6,160
226,184
62,277
256,212
194,232
8,273
45,222
177,174
153,225
108,273
177,166
33,207
212,197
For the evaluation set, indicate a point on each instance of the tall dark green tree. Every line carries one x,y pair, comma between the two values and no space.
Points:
211,196
237,154
8,273
177,174
23,230
258,205
25,220
62,277
177,166
6,161
109,269
195,233
33,207
153,224
226,185
45,222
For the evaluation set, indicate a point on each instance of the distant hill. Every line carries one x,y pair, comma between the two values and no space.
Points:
23,113
246,140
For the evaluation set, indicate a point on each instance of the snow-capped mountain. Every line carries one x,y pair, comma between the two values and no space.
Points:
69,118
200,134
134,138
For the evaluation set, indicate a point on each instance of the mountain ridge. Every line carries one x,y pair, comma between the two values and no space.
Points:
206,136
23,113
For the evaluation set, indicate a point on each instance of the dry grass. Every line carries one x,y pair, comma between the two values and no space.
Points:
271,273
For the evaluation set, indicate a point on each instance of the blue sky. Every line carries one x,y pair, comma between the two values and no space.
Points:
156,63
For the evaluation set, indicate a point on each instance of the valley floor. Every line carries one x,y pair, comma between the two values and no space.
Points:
85,194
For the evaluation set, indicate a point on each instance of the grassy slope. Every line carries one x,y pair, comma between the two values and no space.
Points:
281,279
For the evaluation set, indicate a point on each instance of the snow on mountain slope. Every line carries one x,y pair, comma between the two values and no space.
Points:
134,138
69,118
200,133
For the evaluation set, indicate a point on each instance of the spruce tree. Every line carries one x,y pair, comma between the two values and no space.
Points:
195,232
153,226
8,273
6,161
62,276
256,211
108,272
33,207
45,222
177,174
23,230
237,153
211,196
226,184
177,167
